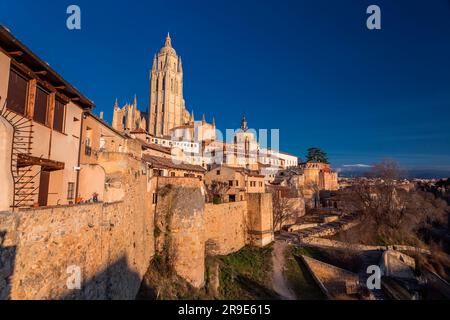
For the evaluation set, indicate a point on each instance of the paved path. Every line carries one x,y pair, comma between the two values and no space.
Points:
279,282
331,227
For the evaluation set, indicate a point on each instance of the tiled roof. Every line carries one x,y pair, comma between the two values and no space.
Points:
156,147
166,163
139,130
250,173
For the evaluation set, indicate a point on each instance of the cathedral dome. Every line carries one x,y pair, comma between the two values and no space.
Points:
168,47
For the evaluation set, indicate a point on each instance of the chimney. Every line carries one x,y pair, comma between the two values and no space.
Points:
101,115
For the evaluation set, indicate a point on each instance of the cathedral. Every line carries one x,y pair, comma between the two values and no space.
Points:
167,109
129,118
168,123
167,105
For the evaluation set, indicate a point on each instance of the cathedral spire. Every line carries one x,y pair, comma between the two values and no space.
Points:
244,124
135,101
155,62
203,119
116,104
192,117
214,121
168,41
180,65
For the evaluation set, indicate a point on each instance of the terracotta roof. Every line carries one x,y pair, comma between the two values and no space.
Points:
156,147
139,130
251,173
166,163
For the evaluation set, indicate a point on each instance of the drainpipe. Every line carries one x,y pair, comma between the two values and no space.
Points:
83,115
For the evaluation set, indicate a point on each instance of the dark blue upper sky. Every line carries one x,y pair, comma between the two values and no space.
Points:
310,68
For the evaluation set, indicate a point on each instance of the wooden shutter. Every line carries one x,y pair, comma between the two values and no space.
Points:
41,106
58,118
17,92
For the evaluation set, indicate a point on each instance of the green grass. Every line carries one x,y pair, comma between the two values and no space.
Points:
247,274
298,277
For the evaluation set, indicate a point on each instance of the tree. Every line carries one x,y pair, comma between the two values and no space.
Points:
389,213
216,191
316,155
284,211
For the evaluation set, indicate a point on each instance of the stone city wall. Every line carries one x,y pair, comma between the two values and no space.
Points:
111,244
180,227
260,219
225,229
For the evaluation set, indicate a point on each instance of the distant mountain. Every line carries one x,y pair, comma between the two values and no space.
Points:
353,171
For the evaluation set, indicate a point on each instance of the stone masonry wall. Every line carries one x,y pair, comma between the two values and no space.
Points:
226,229
111,244
180,227
260,219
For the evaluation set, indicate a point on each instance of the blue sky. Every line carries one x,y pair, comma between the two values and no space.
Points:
310,68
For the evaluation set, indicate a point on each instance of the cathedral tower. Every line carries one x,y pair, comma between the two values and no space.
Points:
167,107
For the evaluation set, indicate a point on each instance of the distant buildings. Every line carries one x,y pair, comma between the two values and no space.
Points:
170,125
54,145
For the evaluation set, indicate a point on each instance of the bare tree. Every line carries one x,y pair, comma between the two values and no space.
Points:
389,213
216,190
284,212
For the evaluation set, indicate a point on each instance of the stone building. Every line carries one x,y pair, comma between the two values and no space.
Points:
129,118
320,175
237,182
167,105
310,179
164,167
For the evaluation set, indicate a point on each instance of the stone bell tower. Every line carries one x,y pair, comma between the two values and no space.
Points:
167,106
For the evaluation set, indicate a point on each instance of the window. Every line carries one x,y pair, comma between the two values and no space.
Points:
260,184
58,118
103,144
172,174
230,183
218,172
17,93
237,183
87,147
157,173
41,106
70,190
155,198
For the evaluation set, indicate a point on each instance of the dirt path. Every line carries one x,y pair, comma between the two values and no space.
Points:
279,283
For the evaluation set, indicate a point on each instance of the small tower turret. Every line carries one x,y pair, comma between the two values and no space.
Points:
244,124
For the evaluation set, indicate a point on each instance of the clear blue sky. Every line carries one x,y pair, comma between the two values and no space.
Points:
310,68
